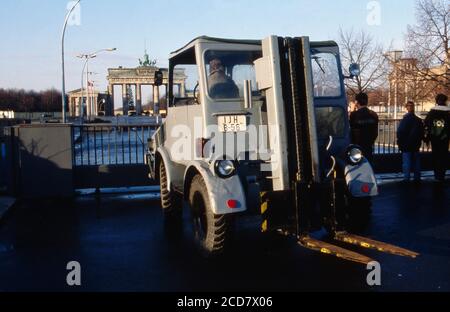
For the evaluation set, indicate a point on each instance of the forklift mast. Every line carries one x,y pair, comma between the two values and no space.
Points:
285,74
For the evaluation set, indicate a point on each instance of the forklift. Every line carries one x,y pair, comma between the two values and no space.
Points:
264,131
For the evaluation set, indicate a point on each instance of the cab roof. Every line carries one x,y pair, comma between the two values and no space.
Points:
192,43
216,40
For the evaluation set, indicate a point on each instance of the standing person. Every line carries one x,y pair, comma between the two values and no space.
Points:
437,125
410,134
364,126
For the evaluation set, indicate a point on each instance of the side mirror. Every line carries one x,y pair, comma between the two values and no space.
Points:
159,78
354,70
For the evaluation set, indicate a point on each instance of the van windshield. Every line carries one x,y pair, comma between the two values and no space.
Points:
326,77
227,72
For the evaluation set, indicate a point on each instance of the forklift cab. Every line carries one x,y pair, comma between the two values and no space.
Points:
207,88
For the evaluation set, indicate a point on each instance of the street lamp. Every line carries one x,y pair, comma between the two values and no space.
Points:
64,103
85,66
87,57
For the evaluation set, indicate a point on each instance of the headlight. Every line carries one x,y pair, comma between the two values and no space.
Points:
225,168
355,155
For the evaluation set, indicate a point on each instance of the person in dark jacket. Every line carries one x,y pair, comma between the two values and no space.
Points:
437,127
364,126
219,83
410,134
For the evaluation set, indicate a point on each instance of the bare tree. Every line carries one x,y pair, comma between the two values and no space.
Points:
30,101
361,48
428,43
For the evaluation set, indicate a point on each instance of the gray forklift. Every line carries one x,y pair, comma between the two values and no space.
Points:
261,128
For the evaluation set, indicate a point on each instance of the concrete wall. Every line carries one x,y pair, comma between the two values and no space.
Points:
43,166
34,116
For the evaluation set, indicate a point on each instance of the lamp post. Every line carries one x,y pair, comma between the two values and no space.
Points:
85,67
82,92
87,57
63,91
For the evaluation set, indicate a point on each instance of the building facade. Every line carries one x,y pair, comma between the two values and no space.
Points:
90,105
409,83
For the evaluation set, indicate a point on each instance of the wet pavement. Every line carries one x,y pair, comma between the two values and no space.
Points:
121,246
5,204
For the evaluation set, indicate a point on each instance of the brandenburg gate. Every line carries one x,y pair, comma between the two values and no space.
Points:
139,77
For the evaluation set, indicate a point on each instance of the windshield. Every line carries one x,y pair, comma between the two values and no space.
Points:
227,72
326,78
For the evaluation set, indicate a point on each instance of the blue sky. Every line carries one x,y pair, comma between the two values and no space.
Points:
30,30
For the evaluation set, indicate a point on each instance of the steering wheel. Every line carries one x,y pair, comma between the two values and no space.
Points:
224,90
195,93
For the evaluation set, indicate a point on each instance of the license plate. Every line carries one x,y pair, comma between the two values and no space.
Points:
233,123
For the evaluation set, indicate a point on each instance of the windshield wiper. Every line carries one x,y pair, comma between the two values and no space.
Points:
315,58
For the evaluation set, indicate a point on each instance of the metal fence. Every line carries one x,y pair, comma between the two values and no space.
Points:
101,144
113,155
387,138
112,144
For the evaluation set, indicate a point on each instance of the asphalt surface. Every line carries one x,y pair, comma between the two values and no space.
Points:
121,246
5,204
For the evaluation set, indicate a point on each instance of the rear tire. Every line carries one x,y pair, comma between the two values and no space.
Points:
171,203
211,232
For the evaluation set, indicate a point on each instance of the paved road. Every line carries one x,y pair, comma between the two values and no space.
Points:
5,204
122,247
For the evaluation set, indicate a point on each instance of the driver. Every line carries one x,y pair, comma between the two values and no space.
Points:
220,85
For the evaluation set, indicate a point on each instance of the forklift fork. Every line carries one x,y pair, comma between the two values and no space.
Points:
344,237
347,238
342,253
333,250
373,244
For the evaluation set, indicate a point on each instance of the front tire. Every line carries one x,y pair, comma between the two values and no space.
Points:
211,232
